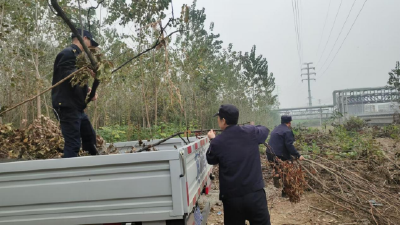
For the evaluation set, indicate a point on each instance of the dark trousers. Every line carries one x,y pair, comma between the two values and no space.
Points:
75,125
252,207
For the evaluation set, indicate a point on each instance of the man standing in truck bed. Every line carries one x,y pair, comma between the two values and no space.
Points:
69,102
236,150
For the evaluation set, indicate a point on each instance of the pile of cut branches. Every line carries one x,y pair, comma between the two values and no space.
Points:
365,188
348,167
41,140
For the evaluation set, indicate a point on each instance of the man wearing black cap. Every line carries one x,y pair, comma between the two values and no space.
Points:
69,102
281,146
236,150
281,141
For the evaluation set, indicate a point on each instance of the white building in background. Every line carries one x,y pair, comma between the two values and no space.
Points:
382,107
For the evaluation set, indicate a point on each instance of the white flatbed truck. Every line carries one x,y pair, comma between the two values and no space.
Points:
148,188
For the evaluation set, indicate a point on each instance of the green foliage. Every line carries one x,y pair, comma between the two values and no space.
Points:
117,133
113,134
338,143
164,90
389,131
314,148
394,76
255,76
142,11
354,124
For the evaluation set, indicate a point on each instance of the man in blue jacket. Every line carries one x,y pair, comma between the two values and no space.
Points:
236,150
281,141
69,101
281,146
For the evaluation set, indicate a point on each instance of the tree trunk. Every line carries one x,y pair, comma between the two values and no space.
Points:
39,109
155,92
155,106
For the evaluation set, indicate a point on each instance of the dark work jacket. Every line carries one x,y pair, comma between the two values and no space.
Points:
281,141
237,153
65,95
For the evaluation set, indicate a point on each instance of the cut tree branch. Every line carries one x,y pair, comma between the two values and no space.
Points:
48,89
51,9
157,43
93,61
88,14
147,147
61,14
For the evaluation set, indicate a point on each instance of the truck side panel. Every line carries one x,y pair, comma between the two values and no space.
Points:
198,170
89,190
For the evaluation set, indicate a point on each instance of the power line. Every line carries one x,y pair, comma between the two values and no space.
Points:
296,32
345,37
323,29
339,35
330,33
299,28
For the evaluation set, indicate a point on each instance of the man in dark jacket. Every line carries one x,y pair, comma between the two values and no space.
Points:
281,146
236,150
281,141
69,101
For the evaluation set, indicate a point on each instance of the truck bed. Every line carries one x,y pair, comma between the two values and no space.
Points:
147,186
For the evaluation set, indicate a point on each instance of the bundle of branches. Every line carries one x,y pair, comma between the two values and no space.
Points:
103,71
41,140
293,179
360,188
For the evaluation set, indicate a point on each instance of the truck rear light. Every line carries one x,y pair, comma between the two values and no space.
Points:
207,190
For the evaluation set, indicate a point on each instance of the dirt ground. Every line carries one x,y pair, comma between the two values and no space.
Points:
312,209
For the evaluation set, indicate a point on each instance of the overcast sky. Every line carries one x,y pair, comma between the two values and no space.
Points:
368,54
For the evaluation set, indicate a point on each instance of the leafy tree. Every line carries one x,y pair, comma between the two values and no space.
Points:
394,77
177,85
255,75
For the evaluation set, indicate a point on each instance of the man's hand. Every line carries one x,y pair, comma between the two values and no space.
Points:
301,158
92,73
95,96
211,134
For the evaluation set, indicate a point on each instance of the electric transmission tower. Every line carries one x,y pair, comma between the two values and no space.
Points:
308,74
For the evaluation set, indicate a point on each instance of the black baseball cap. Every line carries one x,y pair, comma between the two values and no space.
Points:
88,35
228,112
286,119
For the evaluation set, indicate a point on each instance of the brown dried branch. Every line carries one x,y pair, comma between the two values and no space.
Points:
156,44
321,210
41,93
147,147
370,191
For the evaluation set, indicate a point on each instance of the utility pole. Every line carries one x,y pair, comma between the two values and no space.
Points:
308,68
